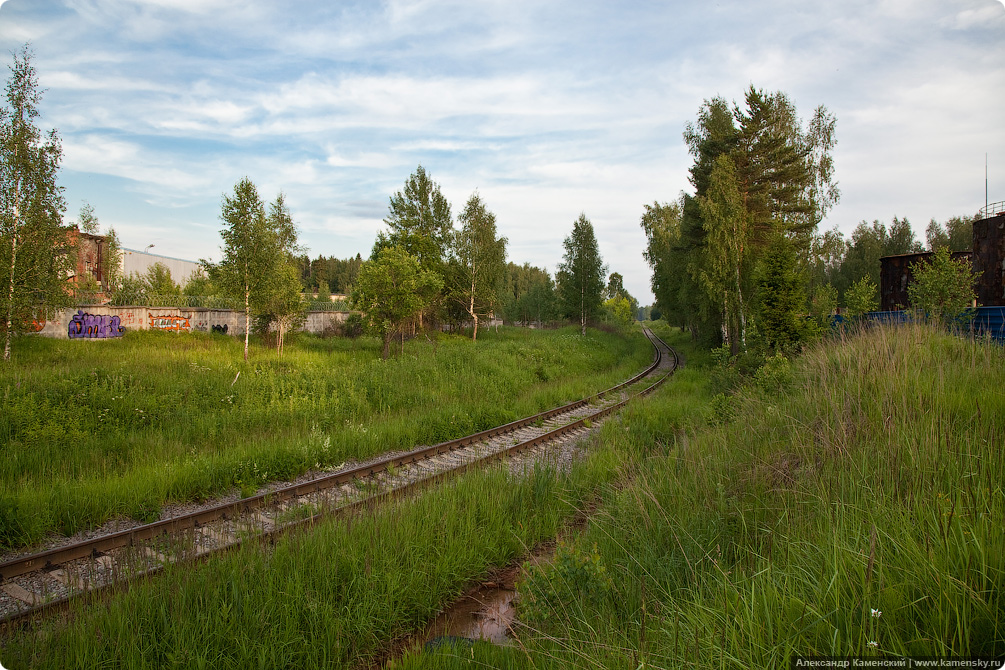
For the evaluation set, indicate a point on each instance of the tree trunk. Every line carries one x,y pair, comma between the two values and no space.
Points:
13,266
10,293
471,311
247,319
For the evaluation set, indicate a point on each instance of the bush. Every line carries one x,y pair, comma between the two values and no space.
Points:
943,288
775,376
861,298
550,591
353,326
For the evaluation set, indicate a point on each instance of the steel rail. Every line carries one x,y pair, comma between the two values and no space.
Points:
97,547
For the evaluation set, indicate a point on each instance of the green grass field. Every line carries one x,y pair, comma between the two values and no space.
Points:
850,504
94,429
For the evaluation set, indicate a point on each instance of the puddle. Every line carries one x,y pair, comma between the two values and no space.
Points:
486,614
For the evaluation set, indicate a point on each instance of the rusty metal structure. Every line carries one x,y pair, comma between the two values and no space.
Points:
896,273
989,259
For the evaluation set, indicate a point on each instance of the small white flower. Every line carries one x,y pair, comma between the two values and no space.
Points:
873,644
876,614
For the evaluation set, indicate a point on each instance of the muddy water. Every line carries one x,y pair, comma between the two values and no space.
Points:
488,611
486,614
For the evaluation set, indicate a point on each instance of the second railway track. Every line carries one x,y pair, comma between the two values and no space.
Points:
33,584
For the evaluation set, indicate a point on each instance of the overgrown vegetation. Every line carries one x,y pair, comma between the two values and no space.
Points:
334,597
858,512
121,427
853,509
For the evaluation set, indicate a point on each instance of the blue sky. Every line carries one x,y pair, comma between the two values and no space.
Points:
548,109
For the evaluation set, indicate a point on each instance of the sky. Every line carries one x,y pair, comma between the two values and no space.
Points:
546,109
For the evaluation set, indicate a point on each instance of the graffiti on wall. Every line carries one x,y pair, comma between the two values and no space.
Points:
176,323
83,325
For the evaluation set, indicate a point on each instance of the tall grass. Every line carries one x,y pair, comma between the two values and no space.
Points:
91,430
862,512
337,596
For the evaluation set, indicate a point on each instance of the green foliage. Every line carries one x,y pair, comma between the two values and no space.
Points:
558,590
581,274
391,290
338,274
957,234
721,270
87,221
823,306
758,174
621,310
528,295
158,281
132,290
353,326
420,222
775,375
862,297
35,251
478,261
199,284
780,298
677,297
943,287
111,262
258,260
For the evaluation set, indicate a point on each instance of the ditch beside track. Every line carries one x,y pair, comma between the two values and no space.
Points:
39,583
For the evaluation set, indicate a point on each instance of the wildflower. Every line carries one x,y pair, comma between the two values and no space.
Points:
876,614
873,644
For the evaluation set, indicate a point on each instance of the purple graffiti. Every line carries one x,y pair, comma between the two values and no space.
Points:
94,326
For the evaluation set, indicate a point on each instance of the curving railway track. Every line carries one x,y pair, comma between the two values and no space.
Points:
35,584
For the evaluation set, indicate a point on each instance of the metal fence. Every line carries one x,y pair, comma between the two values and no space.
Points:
993,209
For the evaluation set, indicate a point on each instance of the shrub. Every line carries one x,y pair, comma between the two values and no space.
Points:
943,288
549,591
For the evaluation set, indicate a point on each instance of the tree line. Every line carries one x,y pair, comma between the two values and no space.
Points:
740,261
421,271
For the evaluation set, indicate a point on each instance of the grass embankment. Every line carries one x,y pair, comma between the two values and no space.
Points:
91,430
860,512
873,484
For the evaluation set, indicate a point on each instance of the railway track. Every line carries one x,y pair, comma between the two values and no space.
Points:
36,584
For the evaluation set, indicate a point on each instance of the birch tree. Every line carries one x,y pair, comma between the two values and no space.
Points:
35,258
722,270
257,249
481,261
581,274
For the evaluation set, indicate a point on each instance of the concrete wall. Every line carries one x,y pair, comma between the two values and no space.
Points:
102,321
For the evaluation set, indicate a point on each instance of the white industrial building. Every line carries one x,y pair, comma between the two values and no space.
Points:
135,261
